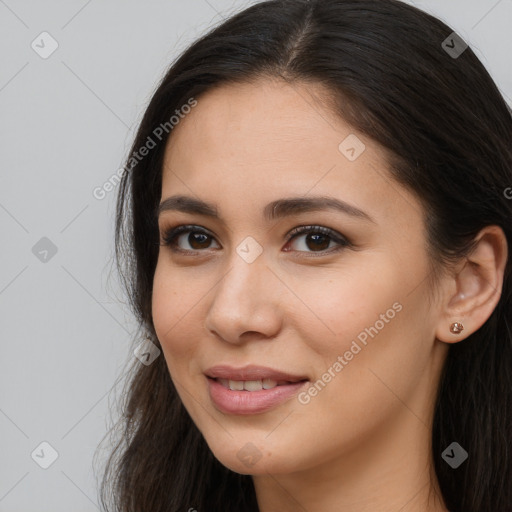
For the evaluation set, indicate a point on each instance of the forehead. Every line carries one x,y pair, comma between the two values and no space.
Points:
271,139
266,120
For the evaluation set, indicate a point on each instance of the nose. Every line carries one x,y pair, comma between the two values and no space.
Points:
246,303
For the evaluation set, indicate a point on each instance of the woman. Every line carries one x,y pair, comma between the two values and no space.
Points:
313,229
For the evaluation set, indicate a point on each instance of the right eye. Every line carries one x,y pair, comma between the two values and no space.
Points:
197,239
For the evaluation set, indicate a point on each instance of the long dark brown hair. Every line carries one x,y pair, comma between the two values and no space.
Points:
449,133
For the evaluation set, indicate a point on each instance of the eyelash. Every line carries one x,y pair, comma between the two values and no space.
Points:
169,238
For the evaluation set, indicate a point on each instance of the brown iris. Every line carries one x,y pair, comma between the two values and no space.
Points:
199,240
320,242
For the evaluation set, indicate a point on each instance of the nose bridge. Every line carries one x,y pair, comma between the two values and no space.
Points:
246,268
244,299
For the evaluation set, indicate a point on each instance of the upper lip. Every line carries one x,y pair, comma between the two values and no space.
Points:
251,372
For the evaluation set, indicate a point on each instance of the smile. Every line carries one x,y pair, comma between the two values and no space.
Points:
251,385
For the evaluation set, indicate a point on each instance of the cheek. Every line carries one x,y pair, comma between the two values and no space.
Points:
368,318
336,309
381,343
173,306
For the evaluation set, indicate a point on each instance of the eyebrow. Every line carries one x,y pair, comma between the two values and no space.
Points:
275,210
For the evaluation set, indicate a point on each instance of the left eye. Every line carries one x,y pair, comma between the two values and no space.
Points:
317,239
314,239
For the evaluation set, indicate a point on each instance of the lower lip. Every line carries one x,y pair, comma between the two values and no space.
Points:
250,402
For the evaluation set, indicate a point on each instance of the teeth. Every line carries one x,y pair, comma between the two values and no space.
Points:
236,385
248,385
253,385
269,383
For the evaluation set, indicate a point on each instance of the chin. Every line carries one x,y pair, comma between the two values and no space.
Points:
251,460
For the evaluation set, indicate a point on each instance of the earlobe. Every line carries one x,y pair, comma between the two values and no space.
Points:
475,289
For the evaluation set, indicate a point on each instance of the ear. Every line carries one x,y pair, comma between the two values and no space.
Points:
474,289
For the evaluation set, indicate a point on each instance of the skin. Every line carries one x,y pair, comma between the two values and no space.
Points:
363,442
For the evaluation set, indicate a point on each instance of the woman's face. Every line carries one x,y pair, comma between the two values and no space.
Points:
342,313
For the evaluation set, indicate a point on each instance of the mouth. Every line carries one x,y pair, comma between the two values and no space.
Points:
253,385
252,389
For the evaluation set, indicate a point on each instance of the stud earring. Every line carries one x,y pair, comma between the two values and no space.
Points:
456,328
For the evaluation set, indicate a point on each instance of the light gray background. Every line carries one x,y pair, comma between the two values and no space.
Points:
66,122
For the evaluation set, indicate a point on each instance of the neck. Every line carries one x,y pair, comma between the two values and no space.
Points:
391,472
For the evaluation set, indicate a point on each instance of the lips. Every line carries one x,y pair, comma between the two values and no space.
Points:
252,373
251,389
